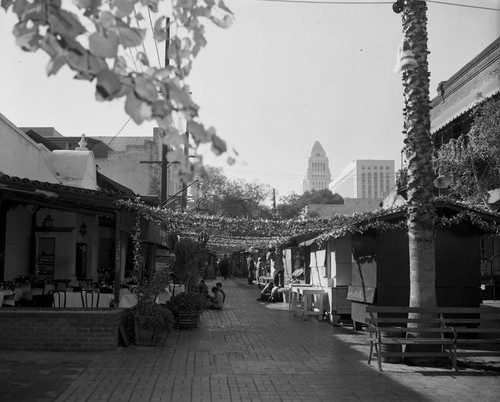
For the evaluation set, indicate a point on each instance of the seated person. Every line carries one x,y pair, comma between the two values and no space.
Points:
219,286
265,294
202,287
217,299
275,295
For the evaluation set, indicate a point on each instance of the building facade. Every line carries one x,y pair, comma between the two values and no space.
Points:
452,115
131,161
372,179
318,174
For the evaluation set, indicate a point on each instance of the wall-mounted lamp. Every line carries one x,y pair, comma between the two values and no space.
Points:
83,229
48,222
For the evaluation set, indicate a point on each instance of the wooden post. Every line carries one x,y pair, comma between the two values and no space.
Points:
118,256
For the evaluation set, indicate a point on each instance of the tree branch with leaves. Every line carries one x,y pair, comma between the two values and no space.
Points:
92,38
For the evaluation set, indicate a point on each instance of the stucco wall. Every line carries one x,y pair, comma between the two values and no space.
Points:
20,156
125,166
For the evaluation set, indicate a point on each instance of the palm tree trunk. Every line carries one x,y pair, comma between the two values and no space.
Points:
421,213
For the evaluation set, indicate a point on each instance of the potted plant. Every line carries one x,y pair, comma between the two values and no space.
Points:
189,263
150,318
187,308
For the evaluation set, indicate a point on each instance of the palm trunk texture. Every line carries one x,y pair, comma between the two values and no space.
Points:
421,213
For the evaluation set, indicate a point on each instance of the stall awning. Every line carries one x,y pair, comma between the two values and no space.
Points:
150,231
307,243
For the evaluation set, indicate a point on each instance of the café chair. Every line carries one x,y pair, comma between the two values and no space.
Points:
38,288
61,284
58,299
90,298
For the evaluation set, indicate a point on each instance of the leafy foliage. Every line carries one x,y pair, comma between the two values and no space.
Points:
218,195
473,160
149,313
94,39
189,262
292,205
186,303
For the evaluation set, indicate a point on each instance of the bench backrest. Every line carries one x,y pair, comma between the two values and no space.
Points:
445,316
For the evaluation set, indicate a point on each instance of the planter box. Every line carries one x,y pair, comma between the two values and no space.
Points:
187,320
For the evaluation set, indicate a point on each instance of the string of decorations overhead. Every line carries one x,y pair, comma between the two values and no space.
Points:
233,234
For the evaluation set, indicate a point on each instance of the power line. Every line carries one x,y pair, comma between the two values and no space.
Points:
139,26
463,5
357,3
119,131
154,40
330,2
133,59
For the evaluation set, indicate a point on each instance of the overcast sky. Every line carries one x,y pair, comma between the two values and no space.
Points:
283,76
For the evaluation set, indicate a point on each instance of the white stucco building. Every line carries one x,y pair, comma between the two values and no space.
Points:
365,178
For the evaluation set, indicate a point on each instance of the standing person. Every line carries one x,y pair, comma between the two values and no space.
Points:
279,268
270,257
251,269
224,267
260,267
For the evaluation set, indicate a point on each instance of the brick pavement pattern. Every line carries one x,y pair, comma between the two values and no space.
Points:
250,351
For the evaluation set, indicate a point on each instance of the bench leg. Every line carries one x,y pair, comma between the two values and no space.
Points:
378,347
454,357
371,352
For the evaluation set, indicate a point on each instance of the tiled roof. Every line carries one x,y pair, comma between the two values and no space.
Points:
6,180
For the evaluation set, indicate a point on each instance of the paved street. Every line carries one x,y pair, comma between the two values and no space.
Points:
250,351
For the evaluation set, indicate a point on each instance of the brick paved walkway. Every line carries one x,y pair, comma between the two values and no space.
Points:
250,351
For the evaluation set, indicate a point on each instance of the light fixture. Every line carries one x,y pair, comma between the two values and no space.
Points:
405,58
203,237
83,228
398,6
48,222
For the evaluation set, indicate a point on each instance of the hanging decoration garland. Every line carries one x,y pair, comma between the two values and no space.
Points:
136,240
233,234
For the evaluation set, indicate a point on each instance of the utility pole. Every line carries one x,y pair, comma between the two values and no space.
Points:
163,162
184,184
274,202
164,148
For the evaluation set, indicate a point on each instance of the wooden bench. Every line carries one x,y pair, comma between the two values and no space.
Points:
477,329
445,331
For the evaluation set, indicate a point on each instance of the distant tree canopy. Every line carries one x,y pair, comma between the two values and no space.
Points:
291,206
472,161
217,195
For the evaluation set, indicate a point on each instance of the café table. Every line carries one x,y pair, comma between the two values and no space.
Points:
302,300
130,300
5,297
74,300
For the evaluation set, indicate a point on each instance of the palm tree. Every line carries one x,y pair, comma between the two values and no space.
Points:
421,213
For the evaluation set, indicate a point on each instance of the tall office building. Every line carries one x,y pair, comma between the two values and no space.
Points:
365,179
318,175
